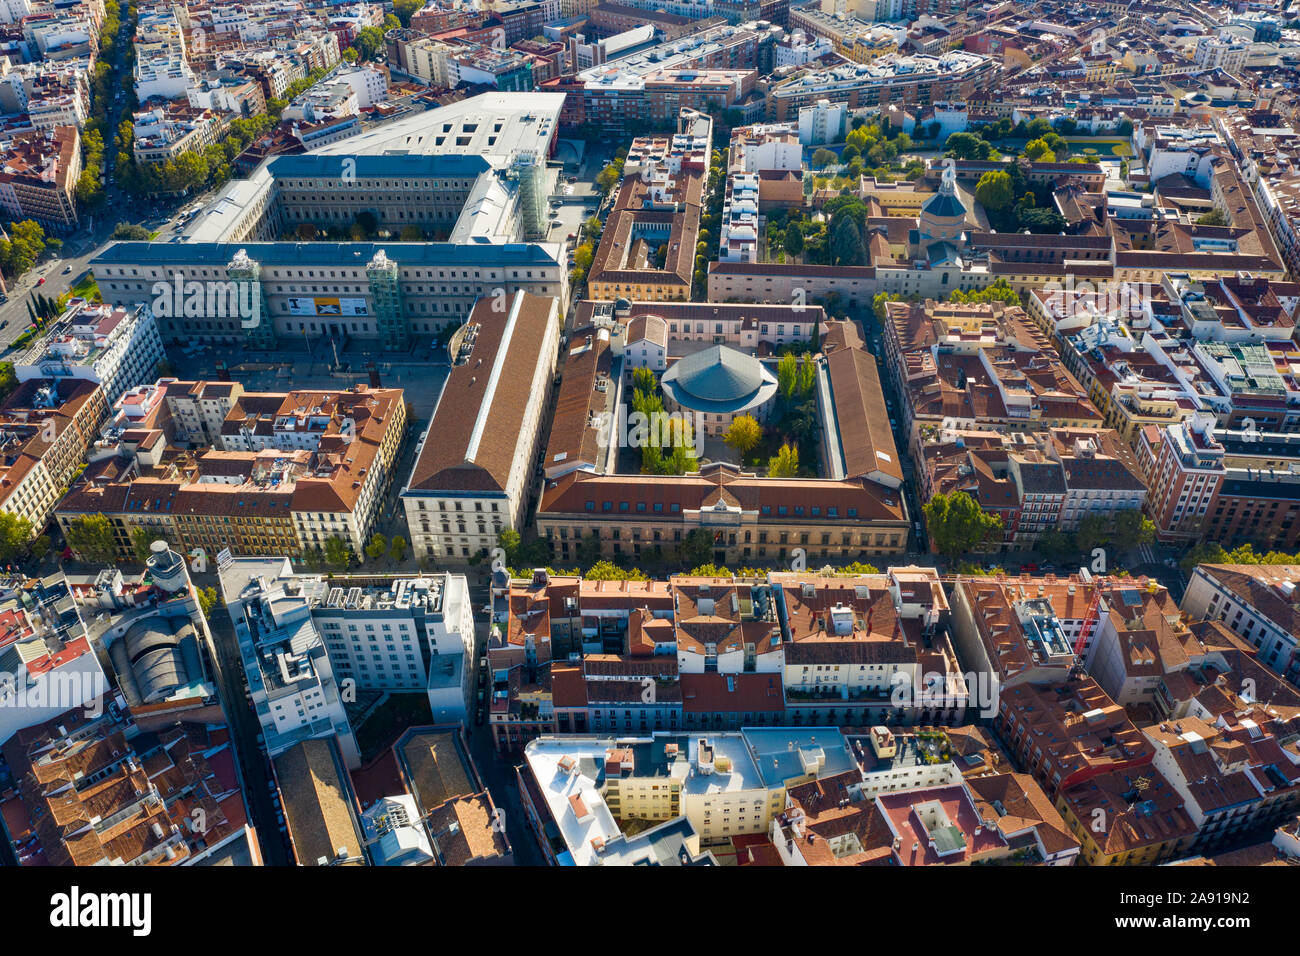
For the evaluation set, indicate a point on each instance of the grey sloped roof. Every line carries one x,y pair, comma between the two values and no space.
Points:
715,375
944,206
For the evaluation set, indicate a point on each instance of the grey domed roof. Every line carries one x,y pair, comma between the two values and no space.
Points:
718,379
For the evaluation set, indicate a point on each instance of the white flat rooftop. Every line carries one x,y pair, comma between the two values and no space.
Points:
492,125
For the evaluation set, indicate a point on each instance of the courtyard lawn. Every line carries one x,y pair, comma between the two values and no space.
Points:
86,288
1093,148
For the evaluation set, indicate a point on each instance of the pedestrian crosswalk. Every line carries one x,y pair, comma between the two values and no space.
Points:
1148,555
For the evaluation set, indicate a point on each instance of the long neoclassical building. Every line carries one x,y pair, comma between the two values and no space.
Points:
472,175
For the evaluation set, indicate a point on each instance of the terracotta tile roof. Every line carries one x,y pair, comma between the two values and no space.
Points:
448,460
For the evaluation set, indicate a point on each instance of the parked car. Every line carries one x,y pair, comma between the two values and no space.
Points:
41,281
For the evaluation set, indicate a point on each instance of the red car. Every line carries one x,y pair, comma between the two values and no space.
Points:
41,281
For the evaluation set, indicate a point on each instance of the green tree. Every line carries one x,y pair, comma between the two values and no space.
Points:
787,376
15,536
847,245
207,598
695,548
993,191
583,255
608,571
967,146
1041,221
823,158
368,42
1131,529
1055,543
377,547
743,435
405,8
806,379
24,246
644,381
1215,217
608,177
681,458
141,540
957,524
8,378
785,463
509,540
41,547
337,552
397,548
1037,150
91,537
793,242
129,230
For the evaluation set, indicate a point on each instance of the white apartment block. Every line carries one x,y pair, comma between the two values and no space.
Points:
396,634
822,123
369,85
290,675
162,71
1255,602
116,347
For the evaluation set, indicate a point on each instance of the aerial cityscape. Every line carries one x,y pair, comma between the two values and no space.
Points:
732,433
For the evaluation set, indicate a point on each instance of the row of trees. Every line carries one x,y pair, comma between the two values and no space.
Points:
585,254
998,291
958,525
710,224
1119,532
1214,553
194,171
664,451
93,539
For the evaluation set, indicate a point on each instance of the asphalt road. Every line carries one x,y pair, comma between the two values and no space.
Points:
61,271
